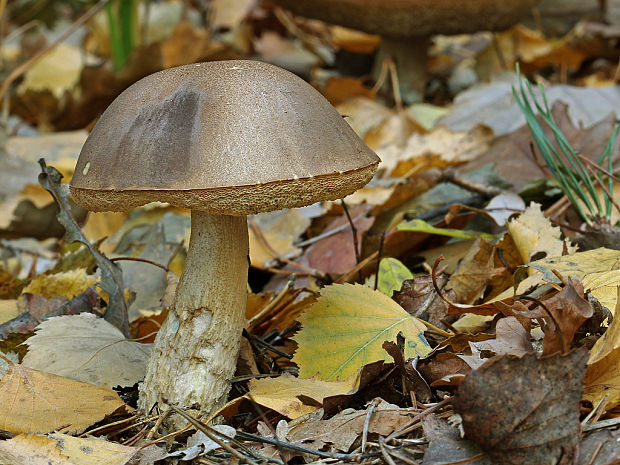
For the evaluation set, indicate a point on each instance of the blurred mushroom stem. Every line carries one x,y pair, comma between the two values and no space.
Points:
195,353
410,55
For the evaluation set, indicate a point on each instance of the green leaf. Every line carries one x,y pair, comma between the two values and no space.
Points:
392,273
416,225
346,328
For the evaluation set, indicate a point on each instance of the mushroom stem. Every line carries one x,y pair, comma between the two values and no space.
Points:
195,352
410,55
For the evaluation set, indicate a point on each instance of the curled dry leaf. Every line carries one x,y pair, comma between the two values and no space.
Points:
569,310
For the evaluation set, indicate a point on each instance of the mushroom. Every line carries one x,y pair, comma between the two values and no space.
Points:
406,25
224,139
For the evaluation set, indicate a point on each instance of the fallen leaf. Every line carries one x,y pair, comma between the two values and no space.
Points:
8,310
475,272
57,72
438,149
392,274
32,449
523,411
511,338
35,449
280,229
603,373
344,428
41,402
569,310
336,253
345,329
86,348
229,13
417,225
68,284
578,265
534,235
285,394
447,447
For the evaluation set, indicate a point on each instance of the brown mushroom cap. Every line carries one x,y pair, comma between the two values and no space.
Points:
230,137
412,18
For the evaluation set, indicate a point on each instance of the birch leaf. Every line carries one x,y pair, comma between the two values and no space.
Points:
345,329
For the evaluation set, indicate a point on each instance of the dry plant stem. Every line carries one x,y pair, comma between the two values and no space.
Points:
195,352
598,168
410,56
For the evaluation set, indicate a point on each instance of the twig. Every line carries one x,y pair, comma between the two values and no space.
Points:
595,454
143,260
21,69
602,186
354,232
116,423
369,413
329,233
297,448
487,191
345,277
599,168
379,257
209,432
412,424
384,452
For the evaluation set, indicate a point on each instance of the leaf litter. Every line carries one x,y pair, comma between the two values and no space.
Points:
507,352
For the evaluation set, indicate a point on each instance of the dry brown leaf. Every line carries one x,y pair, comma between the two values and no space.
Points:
34,401
439,148
344,428
569,310
511,338
524,411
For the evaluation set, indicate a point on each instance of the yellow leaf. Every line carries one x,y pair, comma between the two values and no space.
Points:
604,286
58,71
282,394
32,449
67,284
534,235
603,373
345,329
596,268
8,310
34,401
93,451
279,229
62,449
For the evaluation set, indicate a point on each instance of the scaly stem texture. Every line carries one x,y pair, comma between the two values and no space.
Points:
194,355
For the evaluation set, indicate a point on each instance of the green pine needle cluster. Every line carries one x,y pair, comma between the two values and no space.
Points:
576,180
